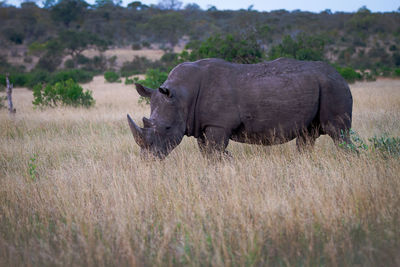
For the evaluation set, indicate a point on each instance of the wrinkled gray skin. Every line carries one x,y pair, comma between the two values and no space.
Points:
267,103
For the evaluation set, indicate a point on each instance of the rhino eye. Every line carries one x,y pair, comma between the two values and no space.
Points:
168,127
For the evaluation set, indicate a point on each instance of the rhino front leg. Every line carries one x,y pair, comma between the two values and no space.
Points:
214,140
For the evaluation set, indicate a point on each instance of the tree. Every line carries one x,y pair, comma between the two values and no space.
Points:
75,42
192,7
170,4
67,11
167,26
47,4
107,3
137,5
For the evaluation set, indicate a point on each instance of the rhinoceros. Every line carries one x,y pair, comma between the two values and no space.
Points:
267,103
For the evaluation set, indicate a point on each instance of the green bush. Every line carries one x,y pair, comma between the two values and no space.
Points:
69,64
356,144
112,77
303,48
154,78
386,144
146,44
35,77
131,81
77,75
349,74
136,46
67,93
138,65
230,48
396,72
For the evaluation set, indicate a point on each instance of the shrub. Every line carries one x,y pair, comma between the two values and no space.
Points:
19,79
112,77
37,76
49,62
154,78
136,46
397,72
356,145
131,81
304,48
146,44
349,74
69,64
230,48
77,75
81,59
67,93
137,66
97,64
386,144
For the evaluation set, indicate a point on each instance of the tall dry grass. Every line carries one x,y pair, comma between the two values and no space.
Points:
73,191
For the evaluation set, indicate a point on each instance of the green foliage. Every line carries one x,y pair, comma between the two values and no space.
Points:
363,20
131,81
112,77
75,42
35,77
356,142
167,26
32,168
67,11
69,64
49,62
137,66
386,145
230,48
14,35
67,93
136,46
397,72
78,76
154,78
304,48
349,74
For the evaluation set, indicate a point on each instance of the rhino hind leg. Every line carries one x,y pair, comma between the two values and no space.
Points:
214,140
339,130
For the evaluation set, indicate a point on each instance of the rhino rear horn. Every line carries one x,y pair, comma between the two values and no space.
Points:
147,123
144,91
137,132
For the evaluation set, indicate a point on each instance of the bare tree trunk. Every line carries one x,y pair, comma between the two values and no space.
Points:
11,108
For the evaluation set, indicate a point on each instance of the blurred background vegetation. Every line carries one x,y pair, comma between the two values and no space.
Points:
361,45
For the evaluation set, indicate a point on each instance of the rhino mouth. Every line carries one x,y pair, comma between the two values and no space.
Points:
151,144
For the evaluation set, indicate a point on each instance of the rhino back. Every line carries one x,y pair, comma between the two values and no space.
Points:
277,97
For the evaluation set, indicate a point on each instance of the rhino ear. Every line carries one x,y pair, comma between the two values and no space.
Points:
165,91
144,91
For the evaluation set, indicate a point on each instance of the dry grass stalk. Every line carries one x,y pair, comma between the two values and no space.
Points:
73,191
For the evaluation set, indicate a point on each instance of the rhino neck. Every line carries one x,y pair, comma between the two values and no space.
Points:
192,119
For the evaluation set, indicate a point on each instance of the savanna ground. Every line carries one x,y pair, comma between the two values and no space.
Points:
73,191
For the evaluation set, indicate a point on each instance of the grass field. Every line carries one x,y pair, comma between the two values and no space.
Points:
73,191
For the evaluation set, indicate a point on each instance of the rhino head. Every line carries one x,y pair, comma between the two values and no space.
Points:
166,126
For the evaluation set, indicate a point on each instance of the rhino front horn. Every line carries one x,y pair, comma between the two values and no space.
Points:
137,132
